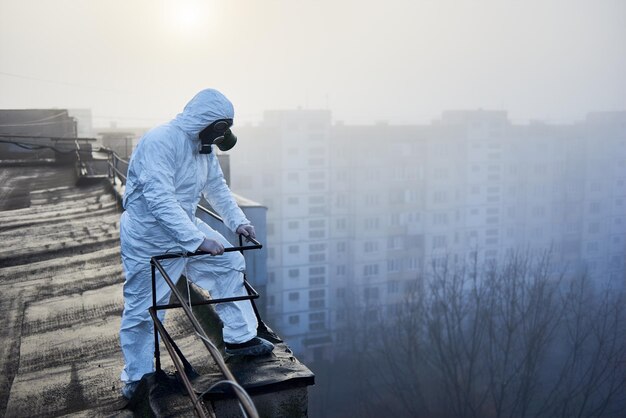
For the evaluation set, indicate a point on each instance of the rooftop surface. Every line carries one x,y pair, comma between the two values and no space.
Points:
61,302
60,293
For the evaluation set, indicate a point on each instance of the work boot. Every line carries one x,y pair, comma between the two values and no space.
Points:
129,389
255,347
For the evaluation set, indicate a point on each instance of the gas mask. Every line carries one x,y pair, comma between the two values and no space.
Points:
218,133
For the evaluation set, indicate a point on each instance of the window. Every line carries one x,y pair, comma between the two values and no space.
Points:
372,223
395,242
370,269
341,270
293,224
412,263
341,223
394,265
316,303
440,197
316,258
316,294
317,281
316,185
293,296
371,199
393,286
341,316
317,210
294,249
317,270
317,200
538,211
370,246
316,326
293,273
293,200
317,247
441,173
439,241
319,223
592,246
294,319
317,316
318,233
594,207
341,247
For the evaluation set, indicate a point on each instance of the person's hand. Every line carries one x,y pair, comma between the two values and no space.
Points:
246,230
212,247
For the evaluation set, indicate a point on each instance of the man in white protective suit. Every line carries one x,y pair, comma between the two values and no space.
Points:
171,168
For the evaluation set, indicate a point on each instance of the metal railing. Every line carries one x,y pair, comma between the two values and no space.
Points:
180,363
117,167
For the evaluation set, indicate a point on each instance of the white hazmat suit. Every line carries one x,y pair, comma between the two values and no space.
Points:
166,179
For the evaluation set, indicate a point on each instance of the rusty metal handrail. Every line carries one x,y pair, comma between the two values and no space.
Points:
243,398
177,362
113,162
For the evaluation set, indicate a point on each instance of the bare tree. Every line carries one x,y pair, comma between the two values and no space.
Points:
507,340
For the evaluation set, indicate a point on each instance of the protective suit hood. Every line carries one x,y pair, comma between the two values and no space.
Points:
205,108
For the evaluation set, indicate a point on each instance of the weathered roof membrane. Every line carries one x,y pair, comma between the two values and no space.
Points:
60,306
60,299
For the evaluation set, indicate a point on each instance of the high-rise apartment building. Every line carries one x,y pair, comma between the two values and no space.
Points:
358,214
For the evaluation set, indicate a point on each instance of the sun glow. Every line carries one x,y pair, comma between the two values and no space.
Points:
186,17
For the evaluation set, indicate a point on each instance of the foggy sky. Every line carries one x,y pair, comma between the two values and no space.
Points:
403,61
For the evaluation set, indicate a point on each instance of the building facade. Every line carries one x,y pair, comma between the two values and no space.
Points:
359,214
